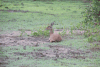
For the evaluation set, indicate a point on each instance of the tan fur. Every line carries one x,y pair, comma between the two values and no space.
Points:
53,36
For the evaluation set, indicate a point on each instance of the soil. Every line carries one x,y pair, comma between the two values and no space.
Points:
55,51
13,38
25,11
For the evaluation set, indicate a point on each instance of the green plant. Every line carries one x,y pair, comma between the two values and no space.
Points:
35,34
46,33
98,38
41,33
92,13
90,39
91,23
71,30
22,31
63,33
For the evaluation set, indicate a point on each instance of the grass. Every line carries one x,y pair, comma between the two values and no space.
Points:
77,43
42,15
37,16
92,31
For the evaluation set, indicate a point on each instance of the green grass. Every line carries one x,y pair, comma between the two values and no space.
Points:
65,14
78,42
40,33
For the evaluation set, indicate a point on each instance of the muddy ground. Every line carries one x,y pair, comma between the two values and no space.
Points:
54,52
14,38
12,45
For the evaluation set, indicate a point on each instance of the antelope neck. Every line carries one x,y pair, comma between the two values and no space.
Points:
51,31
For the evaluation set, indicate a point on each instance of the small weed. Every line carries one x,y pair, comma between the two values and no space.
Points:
93,33
87,34
22,31
90,39
74,11
35,34
41,33
63,32
71,30
98,38
46,33
59,27
67,9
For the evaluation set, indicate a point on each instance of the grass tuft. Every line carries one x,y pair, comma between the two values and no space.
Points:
41,33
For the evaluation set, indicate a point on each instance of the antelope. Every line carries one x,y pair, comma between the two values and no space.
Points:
54,37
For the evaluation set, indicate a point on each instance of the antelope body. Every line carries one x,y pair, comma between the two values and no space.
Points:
54,37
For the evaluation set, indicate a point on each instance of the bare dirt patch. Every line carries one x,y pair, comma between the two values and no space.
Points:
27,11
54,52
14,38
